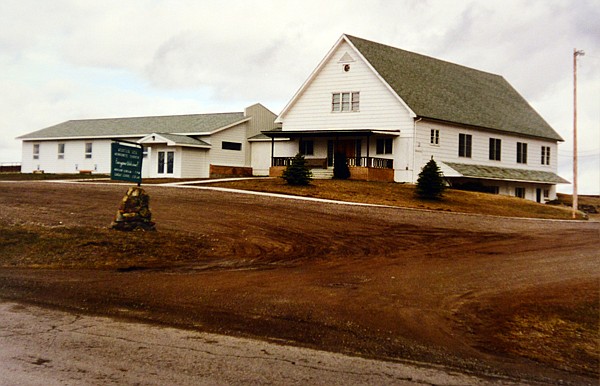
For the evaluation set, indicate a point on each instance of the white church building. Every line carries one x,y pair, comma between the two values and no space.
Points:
388,111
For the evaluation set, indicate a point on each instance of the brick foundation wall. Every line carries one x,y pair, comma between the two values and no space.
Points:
371,174
217,171
276,171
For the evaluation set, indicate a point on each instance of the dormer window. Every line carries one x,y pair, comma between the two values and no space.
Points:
345,101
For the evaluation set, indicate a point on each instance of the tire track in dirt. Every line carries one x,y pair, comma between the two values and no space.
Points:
381,282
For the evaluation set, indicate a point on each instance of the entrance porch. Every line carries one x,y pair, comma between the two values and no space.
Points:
321,149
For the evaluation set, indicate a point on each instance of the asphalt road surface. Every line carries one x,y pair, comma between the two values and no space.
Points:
48,347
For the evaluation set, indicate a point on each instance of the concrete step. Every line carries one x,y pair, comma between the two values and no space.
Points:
322,174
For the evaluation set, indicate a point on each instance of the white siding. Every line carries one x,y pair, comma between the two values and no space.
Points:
74,157
448,147
194,163
379,107
261,157
146,165
447,151
220,156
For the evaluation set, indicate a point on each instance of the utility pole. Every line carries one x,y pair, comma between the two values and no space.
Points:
575,203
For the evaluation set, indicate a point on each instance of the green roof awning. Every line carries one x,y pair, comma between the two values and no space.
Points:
507,174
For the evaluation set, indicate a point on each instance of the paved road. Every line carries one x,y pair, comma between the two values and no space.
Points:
47,347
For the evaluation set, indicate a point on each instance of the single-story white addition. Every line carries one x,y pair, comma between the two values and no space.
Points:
388,111
177,146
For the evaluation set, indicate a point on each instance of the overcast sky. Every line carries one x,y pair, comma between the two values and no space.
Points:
77,59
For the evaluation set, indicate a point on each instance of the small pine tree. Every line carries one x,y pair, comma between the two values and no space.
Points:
297,173
340,167
430,184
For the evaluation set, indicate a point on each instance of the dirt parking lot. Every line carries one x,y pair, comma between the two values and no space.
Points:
495,296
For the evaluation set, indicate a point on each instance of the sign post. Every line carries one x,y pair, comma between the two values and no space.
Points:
126,161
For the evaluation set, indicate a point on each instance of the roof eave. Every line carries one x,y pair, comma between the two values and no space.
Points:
61,138
309,80
228,126
385,83
512,180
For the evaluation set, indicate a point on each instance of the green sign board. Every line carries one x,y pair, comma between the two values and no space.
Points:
126,163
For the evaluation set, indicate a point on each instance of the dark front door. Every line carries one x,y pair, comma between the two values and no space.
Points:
538,195
346,147
351,149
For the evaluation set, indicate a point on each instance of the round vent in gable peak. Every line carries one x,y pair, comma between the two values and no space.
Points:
346,67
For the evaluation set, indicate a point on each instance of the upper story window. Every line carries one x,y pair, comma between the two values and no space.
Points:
36,151
61,151
545,155
384,146
521,153
495,149
88,150
434,138
231,146
307,147
464,145
345,101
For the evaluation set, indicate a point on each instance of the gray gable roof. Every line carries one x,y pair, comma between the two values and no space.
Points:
139,126
445,91
510,174
184,139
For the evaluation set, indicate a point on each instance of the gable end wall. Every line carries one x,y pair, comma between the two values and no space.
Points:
379,107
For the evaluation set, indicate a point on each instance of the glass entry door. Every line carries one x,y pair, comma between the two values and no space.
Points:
166,162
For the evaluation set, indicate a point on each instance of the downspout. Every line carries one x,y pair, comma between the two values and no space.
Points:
414,151
272,151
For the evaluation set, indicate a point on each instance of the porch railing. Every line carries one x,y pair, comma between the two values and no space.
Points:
371,162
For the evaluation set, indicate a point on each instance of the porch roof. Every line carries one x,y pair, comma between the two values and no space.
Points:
505,174
328,133
173,140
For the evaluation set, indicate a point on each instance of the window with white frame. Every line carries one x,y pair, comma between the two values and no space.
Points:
61,151
495,149
384,146
434,137
36,151
545,155
521,153
345,101
88,150
464,145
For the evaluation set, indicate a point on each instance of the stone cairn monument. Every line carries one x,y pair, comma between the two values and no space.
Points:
134,212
